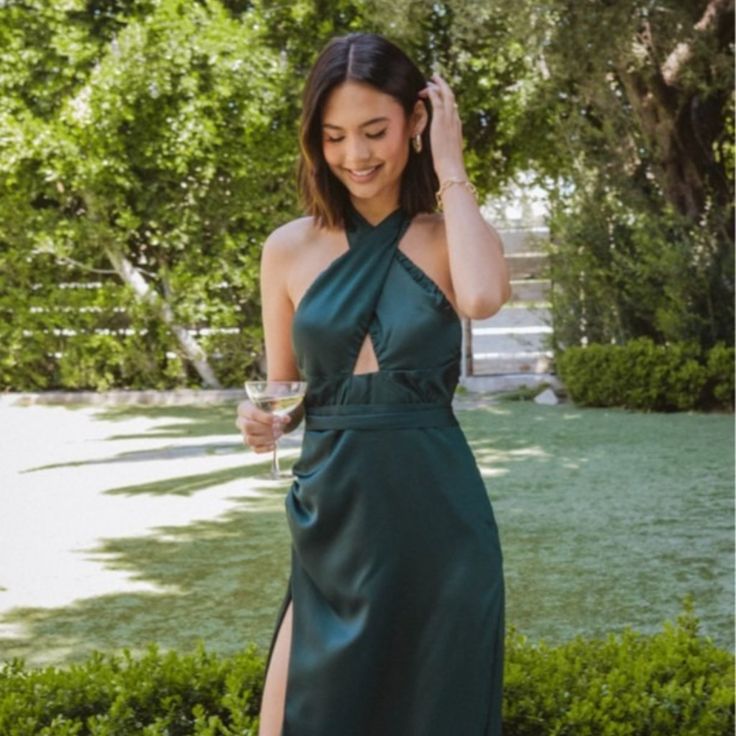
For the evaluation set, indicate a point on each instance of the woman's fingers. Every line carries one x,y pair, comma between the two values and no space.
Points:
446,136
439,106
260,429
262,447
248,410
440,93
431,91
442,84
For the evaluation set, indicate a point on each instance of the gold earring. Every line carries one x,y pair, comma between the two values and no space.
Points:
416,141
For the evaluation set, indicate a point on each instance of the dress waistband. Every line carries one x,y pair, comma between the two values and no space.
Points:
379,416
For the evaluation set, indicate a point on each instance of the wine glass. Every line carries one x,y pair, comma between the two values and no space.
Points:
280,398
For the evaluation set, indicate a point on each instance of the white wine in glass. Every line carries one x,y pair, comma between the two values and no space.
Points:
280,398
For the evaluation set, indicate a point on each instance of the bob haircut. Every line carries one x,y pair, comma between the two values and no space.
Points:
370,58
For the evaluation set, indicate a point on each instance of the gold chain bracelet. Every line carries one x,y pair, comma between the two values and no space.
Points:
449,182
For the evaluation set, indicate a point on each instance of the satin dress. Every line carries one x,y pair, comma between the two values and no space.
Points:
396,567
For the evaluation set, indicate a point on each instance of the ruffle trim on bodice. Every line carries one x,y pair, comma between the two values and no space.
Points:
424,281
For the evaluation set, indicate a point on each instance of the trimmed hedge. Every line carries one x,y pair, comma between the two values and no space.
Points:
674,682
645,376
117,695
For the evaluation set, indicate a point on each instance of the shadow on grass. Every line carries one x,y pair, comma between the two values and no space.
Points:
220,581
607,519
185,485
207,421
187,421
159,453
217,580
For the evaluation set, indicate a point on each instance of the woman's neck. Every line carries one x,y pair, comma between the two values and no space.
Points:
374,210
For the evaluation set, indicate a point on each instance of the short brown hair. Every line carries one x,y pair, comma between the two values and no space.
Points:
370,58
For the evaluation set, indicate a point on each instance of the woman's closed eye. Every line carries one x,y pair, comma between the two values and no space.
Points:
380,134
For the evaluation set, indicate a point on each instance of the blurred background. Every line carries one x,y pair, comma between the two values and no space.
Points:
147,147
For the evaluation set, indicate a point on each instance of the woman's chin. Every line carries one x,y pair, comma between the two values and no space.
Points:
371,189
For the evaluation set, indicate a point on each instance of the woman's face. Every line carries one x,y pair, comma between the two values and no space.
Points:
365,140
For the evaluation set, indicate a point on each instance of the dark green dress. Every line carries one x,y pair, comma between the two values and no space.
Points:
396,577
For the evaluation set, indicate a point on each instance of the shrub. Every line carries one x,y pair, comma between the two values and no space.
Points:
103,362
235,357
645,376
721,375
117,695
672,682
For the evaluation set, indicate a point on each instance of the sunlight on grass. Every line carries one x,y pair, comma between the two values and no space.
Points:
607,518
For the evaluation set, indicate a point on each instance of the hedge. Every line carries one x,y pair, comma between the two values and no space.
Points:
650,377
673,682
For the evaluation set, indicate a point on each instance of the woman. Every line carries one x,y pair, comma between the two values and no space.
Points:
393,619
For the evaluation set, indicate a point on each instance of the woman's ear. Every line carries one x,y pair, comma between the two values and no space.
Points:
419,118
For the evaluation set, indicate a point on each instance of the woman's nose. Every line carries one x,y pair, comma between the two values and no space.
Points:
356,151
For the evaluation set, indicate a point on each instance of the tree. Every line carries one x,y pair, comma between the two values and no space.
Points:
144,143
625,112
148,146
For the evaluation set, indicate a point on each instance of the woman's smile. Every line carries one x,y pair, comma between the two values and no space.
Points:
363,175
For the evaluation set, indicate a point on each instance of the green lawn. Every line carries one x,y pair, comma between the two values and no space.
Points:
608,519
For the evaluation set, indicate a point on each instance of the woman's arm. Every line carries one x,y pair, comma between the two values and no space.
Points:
277,311
478,267
478,270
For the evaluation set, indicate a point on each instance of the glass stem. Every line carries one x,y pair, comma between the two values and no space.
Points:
275,470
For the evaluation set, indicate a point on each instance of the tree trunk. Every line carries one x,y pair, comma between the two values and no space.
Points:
680,126
133,277
146,293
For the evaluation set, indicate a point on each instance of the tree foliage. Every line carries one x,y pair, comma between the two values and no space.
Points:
144,151
625,113
148,146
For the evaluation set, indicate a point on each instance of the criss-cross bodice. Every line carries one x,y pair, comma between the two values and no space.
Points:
374,289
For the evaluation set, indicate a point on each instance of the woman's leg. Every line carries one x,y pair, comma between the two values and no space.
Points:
274,688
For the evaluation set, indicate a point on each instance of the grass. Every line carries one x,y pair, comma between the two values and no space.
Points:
608,519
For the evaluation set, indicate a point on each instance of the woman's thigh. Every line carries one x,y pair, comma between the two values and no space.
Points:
274,688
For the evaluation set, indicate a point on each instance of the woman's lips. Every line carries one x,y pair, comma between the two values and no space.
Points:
356,176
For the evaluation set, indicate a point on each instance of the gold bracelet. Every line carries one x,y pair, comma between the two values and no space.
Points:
449,182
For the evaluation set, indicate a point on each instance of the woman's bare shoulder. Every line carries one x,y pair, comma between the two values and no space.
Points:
286,238
289,254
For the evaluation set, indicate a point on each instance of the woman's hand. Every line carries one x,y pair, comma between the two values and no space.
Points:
445,133
260,429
